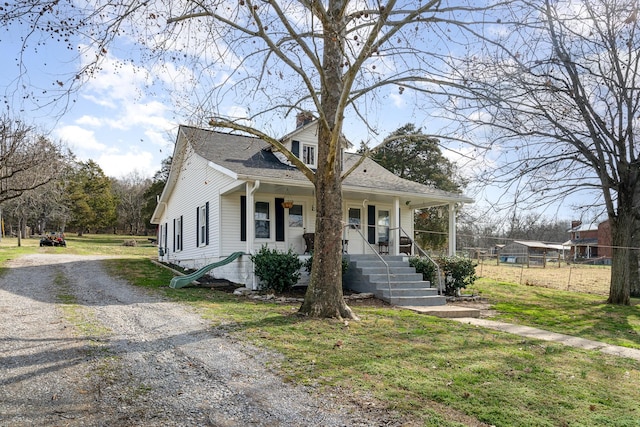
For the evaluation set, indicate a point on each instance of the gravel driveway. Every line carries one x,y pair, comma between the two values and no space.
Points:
79,347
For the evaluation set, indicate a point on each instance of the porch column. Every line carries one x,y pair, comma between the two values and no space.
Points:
252,282
452,229
396,226
251,188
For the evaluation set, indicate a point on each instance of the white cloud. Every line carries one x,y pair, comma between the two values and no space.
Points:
119,165
116,80
89,121
149,114
79,139
100,101
398,100
158,138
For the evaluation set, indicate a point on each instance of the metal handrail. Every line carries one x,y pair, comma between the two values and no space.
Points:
426,255
364,239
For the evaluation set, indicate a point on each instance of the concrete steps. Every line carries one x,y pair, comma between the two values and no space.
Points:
402,287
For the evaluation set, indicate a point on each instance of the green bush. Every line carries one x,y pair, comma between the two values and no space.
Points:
458,272
278,271
426,268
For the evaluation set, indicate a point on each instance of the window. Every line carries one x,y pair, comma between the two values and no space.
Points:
262,221
295,216
383,226
178,234
309,155
354,217
202,222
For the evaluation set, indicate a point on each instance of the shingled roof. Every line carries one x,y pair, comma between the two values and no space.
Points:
250,159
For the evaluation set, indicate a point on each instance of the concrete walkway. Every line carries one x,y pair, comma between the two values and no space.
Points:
540,334
471,316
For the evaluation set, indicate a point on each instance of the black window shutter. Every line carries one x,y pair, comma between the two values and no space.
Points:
206,214
181,233
198,226
166,231
371,222
279,220
295,148
175,233
243,218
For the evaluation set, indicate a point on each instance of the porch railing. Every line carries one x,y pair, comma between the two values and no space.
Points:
426,255
364,239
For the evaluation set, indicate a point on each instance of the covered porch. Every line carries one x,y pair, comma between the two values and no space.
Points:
283,216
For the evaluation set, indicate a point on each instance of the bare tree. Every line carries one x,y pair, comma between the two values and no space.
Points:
27,160
560,89
337,58
129,191
44,208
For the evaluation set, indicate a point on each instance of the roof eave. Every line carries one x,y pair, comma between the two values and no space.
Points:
176,165
416,200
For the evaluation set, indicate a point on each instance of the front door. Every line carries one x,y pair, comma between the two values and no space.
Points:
383,225
296,228
353,230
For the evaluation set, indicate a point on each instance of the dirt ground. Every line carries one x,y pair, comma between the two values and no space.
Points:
577,278
81,348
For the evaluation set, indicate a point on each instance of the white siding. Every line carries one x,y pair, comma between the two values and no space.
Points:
407,220
230,224
308,136
231,218
197,184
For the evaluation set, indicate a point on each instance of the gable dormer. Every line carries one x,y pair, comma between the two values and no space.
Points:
303,141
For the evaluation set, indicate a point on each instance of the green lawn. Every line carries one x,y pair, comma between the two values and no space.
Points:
573,313
438,372
441,373
89,244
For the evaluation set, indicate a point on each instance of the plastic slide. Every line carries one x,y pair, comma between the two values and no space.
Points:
182,281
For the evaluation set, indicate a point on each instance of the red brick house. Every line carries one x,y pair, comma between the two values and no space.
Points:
590,241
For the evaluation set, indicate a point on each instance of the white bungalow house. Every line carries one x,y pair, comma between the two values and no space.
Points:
227,193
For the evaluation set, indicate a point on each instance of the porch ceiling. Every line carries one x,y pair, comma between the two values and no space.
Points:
414,201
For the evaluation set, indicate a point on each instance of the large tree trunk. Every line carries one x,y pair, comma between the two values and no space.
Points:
625,237
324,297
635,253
635,273
623,259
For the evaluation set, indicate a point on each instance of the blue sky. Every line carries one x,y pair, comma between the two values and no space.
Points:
121,117
125,116
110,119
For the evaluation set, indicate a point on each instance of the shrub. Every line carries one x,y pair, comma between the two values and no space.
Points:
426,268
278,271
458,272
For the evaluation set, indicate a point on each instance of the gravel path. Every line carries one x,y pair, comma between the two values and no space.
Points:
81,348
